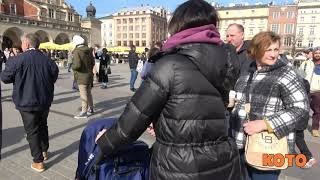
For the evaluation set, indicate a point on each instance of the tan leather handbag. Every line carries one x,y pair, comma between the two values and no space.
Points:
265,143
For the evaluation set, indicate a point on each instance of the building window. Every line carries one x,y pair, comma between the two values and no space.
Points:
310,44
243,22
299,44
124,28
51,13
118,43
143,19
289,29
313,19
137,43
301,31
301,19
144,43
312,31
251,31
124,36
143,27
137,35
287,41
130,28
131,35
144,35
130,43
137,20
130,20
119,36
70,17
227,12
13,9
276,15
118,21
110,26
124,21
125,43
118,28
275,28
137,28
289,14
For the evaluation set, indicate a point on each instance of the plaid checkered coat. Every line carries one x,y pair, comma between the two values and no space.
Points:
277,94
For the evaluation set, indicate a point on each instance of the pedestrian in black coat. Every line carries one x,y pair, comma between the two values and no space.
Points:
103,68
33,75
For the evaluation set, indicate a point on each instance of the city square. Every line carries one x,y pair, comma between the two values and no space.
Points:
128,34
65,131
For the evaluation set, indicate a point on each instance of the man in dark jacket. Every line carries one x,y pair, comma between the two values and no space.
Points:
82,66
33,75
133,62
235,36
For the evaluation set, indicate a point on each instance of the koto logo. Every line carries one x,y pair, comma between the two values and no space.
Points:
278,160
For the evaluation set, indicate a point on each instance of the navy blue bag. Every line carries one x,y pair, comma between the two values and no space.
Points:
129,163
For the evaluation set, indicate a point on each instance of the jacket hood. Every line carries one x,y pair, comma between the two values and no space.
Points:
202,34
210,59
84,49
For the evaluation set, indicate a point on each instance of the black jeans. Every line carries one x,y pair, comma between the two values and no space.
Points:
35,125
301,144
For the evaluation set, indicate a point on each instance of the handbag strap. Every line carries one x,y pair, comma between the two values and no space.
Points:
247,105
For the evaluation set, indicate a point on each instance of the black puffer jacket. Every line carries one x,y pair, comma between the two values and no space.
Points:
182,96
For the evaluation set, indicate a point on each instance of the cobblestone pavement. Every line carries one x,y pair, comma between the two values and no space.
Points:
65,131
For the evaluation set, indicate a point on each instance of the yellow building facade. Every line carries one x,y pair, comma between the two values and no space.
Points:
253,18
142,26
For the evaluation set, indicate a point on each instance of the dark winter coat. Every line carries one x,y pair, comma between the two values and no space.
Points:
133,60
82,65
33,75
244,60
104,63
182,97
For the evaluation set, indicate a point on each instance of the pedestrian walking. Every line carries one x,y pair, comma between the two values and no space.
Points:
270,97
302,125
181,96
103,68
33,75
133,62
313,77
82,66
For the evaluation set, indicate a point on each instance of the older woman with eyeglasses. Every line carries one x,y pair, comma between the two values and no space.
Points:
277,98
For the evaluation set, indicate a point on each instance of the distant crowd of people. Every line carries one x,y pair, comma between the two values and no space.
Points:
189,83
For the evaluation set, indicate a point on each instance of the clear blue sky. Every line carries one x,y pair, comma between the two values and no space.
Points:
106,7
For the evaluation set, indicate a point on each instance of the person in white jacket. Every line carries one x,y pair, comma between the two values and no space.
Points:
313,77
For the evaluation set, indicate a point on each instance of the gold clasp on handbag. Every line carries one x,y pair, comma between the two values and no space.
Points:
247,107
